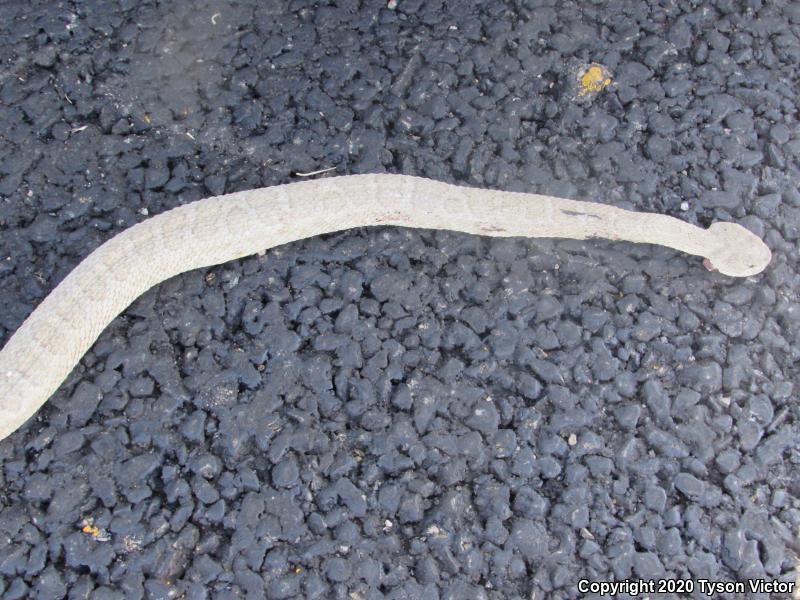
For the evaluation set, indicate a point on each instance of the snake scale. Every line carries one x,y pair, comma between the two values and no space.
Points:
47,346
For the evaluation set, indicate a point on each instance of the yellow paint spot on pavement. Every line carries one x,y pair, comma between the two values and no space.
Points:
593,79
88,527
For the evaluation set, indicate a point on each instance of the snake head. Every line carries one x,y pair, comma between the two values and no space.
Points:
735,251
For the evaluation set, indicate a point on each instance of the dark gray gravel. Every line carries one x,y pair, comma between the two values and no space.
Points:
389,413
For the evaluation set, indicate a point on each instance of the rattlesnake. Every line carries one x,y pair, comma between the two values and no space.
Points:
47,346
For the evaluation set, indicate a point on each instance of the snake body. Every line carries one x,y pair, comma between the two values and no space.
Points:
47,346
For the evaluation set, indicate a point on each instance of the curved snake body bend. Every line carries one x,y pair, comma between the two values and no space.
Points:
48,345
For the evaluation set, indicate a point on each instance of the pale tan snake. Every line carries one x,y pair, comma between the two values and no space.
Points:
48,345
